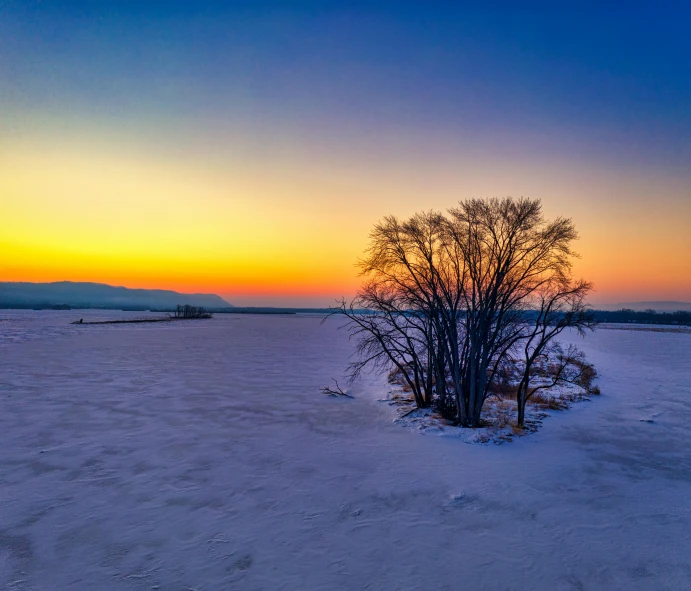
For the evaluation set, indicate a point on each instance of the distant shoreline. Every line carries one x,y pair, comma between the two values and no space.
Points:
621,317
137,320
674,328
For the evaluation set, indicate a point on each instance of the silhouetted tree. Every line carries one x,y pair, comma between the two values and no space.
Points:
188,311
400,266
450,297
557,305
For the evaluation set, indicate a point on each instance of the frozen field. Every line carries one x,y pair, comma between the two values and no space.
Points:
202,456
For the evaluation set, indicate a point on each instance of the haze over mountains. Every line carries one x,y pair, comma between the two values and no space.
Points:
101,295
98,295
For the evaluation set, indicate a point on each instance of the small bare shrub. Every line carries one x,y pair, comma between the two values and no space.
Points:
586,376
188,311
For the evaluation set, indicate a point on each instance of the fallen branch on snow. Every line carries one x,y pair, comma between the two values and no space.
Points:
337,392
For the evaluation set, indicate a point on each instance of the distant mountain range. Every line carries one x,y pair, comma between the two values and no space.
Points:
99,295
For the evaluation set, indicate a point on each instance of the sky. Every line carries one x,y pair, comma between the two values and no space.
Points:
247,148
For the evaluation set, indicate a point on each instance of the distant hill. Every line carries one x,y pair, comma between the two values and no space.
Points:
658,306
98,295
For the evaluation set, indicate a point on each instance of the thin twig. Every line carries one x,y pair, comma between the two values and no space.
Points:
335,392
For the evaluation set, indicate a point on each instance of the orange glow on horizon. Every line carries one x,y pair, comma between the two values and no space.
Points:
93,211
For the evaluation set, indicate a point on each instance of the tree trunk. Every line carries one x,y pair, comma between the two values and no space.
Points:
521,413
521,400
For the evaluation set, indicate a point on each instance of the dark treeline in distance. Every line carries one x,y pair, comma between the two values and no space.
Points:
680,318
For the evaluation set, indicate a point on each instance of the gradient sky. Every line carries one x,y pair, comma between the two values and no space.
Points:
247,148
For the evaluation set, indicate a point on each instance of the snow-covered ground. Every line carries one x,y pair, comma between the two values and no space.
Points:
202,456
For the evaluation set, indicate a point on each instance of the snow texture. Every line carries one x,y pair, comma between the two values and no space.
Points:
202,456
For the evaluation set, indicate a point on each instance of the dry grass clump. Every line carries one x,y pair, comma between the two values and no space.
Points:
396,377
587,374
556,387
504,411
505,390
547,401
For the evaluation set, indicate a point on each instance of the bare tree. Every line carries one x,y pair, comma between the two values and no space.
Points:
557,366
510,252
188,311
450,296
559,304
399,291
